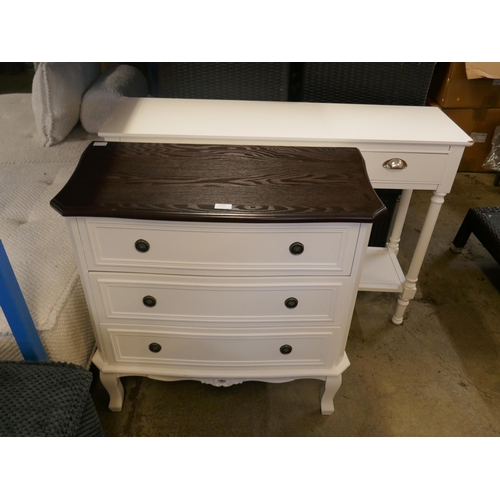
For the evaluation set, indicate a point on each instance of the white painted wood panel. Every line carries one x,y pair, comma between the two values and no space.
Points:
421,168
157,119
381,271
119,297
218,248
220,351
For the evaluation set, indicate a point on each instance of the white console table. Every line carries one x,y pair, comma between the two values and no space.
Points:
404,147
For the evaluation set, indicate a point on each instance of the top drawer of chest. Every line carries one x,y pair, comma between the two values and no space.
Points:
217,248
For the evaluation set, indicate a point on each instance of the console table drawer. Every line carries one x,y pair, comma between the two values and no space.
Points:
157,298
276,351
218,248
418,167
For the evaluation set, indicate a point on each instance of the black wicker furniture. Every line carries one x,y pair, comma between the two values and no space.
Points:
484,223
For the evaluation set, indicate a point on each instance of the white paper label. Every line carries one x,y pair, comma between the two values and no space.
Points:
223,206
100,143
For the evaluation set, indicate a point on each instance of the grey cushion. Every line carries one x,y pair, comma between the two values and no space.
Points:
104,94
46,400
57,93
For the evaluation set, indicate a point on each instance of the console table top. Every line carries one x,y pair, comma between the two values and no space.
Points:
220,184
263,122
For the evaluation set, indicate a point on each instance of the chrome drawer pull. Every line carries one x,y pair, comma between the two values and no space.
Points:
395,164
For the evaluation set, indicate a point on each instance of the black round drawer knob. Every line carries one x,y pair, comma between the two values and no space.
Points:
149,301
296,248
291,302
142,246
154,347
286,349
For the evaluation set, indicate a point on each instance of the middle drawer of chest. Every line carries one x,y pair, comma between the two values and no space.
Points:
157,298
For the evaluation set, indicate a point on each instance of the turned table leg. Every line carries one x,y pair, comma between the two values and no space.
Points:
113,385
409,286
332,385
399,220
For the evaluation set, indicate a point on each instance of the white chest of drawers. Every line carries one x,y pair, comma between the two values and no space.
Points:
178,288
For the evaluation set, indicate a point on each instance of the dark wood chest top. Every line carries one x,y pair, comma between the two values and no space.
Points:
220,183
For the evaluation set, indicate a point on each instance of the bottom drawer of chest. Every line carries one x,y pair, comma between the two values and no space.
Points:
252,348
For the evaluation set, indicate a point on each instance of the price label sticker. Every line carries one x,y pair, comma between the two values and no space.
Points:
223,206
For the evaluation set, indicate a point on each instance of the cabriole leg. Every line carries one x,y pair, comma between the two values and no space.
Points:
113,385
332,385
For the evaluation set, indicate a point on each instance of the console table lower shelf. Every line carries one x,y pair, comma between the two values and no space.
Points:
110,379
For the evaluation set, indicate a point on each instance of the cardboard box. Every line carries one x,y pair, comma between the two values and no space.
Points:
482,70
450,88
479,124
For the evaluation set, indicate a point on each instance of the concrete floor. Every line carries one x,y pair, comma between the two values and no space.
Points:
438,374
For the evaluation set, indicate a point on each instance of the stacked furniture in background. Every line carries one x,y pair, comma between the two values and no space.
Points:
396,84
240,81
